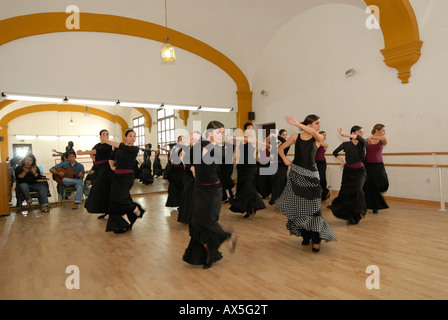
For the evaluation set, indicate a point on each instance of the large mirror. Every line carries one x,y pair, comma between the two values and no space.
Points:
80,125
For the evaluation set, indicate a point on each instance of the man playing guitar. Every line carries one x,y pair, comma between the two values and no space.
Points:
72,174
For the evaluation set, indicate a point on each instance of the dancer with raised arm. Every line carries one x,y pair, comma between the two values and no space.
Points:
123,211
377,181
350,204
206,233
99,195
322,166
300,201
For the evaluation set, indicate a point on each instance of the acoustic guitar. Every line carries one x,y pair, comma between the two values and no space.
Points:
68,173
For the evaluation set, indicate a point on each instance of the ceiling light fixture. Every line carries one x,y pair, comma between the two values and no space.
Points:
167,52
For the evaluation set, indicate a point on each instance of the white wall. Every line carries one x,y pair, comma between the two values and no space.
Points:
111,66
303,70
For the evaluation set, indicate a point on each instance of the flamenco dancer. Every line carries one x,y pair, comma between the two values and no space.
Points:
350,204
123,212
206,233
281,176
300,201
246,199
226,170
377,181
98,199
176,176
322,166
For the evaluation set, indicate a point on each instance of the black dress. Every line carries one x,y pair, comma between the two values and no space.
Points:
226,170
120,198
99,195
176,178
300,201
280,177
186,201
157,166
350,204
204,226
246,198
145,169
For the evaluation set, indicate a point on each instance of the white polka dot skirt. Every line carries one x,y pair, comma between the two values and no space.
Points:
300,202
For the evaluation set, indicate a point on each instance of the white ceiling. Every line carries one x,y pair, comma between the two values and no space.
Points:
238,28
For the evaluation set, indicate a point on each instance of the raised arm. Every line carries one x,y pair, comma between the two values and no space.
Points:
283,146
317,136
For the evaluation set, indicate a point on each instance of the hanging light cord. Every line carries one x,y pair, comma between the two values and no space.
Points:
166,22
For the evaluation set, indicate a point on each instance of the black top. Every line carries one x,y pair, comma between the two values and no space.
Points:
353,153
124,156
305,153
286,150
206,169
247,154
103,151
29,178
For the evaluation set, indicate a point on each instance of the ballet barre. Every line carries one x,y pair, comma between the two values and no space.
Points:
437,165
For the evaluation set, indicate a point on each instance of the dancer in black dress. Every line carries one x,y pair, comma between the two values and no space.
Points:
300,201
350,204
123,211
321,162
206,233
157,166
226,170
176,177
280,177
98,199
186,202
263,181
246,199
377,181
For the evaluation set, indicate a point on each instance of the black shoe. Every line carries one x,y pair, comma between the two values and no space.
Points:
306,241
207,265
375,211
315,249
102,216
248,214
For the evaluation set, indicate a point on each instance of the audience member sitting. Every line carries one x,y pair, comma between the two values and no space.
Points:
76,180
27,175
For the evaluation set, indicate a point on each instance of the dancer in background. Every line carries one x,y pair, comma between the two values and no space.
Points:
176,177
99,195
350,204
281,176
377,181
322,166
206,233
157,166
300,201
263,183
186,202
123,211
246,199
226,170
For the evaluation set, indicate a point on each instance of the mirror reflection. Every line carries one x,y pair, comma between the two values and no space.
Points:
77,129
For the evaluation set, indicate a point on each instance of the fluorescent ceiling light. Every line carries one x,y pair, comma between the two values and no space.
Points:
215,109
21,97
138,105
19,136
47,137
170,106
92,102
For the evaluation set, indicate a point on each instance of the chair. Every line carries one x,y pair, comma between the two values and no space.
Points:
63,191
33,194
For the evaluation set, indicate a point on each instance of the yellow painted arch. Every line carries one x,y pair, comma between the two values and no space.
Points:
42,23
4,122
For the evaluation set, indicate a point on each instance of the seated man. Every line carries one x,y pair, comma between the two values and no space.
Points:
27,175
73,181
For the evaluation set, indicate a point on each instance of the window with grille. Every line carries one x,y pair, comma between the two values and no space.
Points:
165,128
139,128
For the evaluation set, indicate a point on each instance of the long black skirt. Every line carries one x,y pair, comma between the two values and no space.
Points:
322,168
279,180
176,186
225,175
157,167
186,203
350,204
263,183
99,195
121,202
146,173
376,183
204,226
246,198
300,203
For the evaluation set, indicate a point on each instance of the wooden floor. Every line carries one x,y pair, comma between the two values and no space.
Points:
408,243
